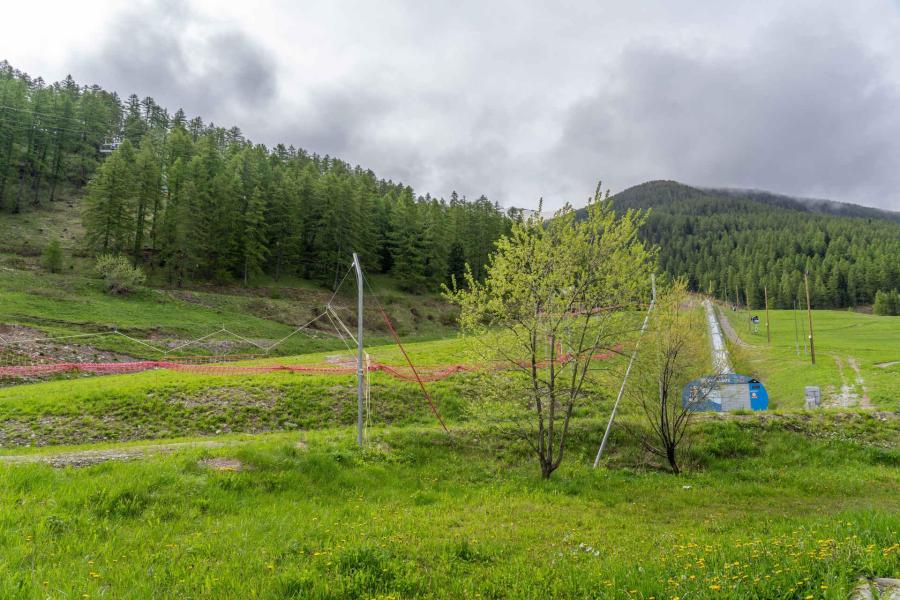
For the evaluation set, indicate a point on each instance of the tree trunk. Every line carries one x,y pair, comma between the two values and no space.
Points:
673,459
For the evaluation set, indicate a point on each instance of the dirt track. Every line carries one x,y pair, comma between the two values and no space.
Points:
83,458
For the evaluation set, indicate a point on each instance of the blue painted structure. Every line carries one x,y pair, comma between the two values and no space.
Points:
725,393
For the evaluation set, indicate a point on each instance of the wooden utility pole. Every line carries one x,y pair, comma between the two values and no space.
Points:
768,334
749,314
812,349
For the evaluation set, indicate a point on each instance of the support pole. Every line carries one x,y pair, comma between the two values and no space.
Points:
749,315
768,333
812,349
612,415
360,368
796,335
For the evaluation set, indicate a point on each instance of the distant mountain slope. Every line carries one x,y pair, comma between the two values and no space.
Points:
738,242
653,193
825,207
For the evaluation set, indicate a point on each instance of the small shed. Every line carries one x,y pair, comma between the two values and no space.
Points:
725,393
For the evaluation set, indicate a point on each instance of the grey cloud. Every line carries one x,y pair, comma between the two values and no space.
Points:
183,58
807,111
534,100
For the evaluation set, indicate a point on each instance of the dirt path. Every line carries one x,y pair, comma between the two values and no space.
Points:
730,333
83,458
853,392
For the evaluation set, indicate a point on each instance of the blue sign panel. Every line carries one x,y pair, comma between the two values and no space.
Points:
725,393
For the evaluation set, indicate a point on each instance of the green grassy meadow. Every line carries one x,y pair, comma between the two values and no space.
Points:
68,304
790,504
768,511
841,338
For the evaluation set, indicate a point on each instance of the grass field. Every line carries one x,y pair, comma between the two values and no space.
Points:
768,511
74,304
787,505
854,356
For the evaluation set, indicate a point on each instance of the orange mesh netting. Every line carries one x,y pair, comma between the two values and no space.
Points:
211,365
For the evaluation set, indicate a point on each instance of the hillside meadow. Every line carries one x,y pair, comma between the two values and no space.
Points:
857,357
768,511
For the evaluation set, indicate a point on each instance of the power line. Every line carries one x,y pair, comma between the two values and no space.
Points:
41,114
26,126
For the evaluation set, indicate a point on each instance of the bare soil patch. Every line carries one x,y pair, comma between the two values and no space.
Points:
221,397
21,345
84,458
222,464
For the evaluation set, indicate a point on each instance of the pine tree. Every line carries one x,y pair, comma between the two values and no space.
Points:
254,235
110,203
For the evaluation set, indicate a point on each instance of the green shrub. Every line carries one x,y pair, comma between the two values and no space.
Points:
52,257
887,303
119,275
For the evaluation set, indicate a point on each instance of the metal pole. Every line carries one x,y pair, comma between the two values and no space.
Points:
768,333
612,415
812,349
359,351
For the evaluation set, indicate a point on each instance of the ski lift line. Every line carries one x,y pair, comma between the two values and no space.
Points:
396,337
9,341
23,127
199,339
343,279
297,330
62,337
240,337
340,335
42,114
143,343
612,414
342,324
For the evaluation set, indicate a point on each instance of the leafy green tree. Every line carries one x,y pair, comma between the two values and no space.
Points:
109,204
887,303
254,235
535,315
52,257
120,276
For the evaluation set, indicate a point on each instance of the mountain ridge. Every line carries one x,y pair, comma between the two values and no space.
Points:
677,190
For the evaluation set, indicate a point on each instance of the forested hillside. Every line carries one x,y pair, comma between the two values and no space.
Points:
192,201
733,244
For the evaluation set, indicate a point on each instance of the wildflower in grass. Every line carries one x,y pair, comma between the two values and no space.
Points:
715,588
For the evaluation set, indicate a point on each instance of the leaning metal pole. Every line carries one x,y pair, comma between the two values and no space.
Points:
612,415
360,373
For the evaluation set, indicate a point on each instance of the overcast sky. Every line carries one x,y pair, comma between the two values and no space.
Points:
517,100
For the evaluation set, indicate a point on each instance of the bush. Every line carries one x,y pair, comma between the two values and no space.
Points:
119,274
887,303
52,257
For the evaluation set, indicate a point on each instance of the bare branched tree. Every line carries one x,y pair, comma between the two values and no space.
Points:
558,293
671,356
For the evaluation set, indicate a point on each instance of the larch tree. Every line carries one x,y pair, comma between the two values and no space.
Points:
555,294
